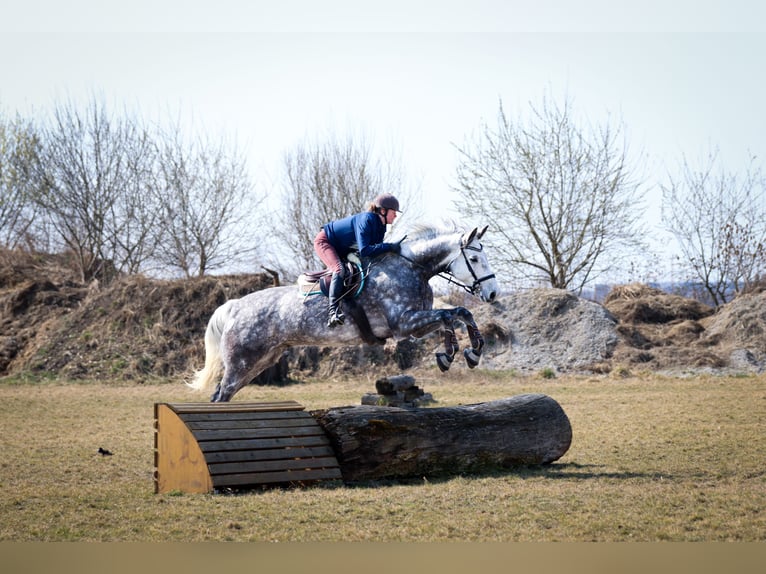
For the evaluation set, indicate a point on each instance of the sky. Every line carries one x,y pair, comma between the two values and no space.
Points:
418,77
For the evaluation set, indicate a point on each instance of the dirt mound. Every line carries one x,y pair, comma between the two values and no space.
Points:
18,266
546,329
666,331
138,328
133,328
638,326
739,330
637,303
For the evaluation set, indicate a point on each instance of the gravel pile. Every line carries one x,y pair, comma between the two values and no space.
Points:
546,329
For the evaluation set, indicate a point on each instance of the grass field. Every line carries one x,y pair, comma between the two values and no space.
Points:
652,459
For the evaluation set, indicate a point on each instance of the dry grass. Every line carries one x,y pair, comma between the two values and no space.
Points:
652,459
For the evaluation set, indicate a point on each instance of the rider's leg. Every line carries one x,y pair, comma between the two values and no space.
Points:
335,315
330,258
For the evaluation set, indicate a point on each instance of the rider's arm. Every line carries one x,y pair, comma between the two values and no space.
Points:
369,236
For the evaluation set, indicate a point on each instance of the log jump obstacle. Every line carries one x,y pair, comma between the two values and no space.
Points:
373,442
203,447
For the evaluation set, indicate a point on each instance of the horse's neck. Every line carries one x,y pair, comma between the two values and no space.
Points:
435,254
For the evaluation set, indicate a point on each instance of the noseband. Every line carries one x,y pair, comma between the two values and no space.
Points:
450,278
477,281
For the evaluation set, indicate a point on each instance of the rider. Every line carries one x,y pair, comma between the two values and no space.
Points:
362,232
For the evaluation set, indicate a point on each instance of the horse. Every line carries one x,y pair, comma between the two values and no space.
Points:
247,335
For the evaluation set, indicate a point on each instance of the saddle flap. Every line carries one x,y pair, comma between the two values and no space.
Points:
311,282
314,276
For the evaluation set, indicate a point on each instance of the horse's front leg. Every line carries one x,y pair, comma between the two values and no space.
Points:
419,323
444,360
473,354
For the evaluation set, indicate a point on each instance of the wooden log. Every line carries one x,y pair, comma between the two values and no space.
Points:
383,442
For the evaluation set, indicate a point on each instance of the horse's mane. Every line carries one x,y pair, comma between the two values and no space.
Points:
425,231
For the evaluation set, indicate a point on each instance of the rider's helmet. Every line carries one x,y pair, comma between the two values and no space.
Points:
387,201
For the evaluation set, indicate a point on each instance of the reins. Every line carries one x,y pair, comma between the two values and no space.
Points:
446,274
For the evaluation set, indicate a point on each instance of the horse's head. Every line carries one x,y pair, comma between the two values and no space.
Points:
435,249
472,268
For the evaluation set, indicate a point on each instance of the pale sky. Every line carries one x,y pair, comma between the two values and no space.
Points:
416,76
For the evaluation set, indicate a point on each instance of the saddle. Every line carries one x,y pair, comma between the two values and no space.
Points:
318,282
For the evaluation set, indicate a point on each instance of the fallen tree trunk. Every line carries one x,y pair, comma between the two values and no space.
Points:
383,442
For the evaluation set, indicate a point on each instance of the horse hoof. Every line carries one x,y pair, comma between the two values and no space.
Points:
471,358
443,361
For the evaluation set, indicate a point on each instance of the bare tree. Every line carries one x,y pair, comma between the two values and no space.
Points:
95,187
18,156
327,179
209,205
562,201
719,221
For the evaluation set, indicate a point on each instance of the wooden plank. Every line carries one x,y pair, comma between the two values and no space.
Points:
248,424
268,454
223,445
181,408
243,416
242,480
271,465
251,433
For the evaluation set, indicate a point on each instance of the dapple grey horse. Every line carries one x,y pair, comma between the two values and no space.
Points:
245,336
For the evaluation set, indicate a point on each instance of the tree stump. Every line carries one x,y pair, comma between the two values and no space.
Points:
398,391
383,442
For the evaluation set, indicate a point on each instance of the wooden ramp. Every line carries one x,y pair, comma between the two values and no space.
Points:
201,447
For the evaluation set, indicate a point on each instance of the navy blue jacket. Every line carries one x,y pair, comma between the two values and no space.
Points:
363,232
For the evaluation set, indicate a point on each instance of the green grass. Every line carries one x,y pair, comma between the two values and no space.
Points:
652,459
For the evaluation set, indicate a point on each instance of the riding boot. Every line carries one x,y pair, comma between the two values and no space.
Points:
335,316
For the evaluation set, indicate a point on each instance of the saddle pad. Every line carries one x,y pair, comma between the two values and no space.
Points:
308,287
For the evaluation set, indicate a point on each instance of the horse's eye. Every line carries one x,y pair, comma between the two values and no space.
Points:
474,259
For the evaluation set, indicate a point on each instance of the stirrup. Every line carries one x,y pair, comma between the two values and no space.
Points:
336,318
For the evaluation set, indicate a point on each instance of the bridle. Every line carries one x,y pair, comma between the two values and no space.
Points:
477,281
450,277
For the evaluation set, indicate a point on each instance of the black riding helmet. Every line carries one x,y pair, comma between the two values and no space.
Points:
387,201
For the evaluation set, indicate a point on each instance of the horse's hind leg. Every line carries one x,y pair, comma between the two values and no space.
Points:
226,389
420,323
235,376
239,370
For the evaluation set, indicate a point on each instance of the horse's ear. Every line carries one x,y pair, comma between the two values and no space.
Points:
468,237
482,232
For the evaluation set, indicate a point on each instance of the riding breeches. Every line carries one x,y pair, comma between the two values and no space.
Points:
327,253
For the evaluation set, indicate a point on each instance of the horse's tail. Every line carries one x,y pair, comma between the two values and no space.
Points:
211,372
